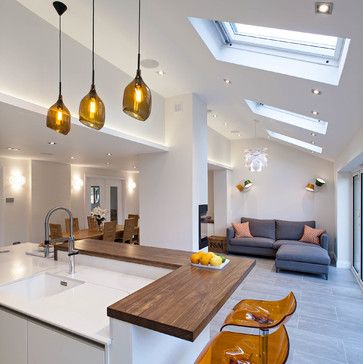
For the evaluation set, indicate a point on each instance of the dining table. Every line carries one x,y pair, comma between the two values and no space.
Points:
98,234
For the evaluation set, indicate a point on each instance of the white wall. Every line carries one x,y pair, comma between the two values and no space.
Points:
279,190
211,193
51,187
15,221
219,148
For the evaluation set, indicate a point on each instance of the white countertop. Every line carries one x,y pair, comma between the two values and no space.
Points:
81,310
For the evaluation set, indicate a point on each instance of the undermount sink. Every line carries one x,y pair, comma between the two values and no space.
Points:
39,286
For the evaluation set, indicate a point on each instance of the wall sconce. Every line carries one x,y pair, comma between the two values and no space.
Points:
131,185
310,187
319,182
17,180
244,185
77,183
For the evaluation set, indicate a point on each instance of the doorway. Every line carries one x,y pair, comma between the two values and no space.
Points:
106,193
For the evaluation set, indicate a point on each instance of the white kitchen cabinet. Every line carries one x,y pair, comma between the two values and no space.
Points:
13,338
50,346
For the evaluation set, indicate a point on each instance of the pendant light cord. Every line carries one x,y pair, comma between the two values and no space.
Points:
60,55
138,47
93,43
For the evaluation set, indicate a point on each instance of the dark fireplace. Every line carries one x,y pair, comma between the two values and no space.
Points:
203,238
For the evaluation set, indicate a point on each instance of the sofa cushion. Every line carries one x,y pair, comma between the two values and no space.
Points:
252,242
242,230
261,228
303,253
278,243
312,235
291,230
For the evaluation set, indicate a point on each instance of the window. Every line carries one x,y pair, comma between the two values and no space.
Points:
297,142
315,57
288,117
315,47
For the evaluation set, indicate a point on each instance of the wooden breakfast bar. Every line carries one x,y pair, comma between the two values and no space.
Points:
179,305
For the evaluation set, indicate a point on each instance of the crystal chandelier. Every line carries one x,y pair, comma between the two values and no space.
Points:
256,159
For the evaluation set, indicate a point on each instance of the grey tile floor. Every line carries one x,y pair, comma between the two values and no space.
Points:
327,327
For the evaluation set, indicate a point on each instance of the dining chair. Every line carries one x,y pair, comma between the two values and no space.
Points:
75,225
109,231
55,231
134,216
129,231
92,223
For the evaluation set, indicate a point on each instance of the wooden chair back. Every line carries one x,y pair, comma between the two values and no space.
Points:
129,230
92,223
109,231
75,225
55,231
134,216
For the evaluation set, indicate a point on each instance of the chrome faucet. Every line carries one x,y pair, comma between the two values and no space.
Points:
71,251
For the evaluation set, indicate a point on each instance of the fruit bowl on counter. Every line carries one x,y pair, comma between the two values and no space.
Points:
208,260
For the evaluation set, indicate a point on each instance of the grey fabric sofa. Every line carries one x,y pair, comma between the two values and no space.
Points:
280,239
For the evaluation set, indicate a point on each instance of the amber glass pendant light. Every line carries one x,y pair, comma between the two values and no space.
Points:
137,95
91,108
58,116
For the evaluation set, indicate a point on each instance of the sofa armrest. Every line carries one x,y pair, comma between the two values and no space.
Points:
230,234
324,241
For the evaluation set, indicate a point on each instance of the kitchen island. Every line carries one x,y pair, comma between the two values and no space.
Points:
158,305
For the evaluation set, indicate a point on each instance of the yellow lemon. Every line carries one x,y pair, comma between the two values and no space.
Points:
194,258
206,258
216,261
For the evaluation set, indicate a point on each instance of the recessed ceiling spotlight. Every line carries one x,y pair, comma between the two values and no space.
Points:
315,113
324,7
239,135
316,91
312,134
161,73
13,149
227,81
52,143
109,154
73,157
108,163
225,124
312,142
214,115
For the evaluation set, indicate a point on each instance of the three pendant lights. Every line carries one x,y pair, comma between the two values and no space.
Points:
136,98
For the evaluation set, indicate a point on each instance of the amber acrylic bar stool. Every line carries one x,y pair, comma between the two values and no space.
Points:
236,348
266,348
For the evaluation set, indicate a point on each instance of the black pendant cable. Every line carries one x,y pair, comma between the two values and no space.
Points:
137,96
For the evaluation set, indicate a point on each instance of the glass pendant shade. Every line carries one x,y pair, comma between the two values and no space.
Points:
92,110
137,99
59,117
256,159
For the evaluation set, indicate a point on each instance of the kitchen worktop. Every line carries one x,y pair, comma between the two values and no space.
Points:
181,303
80,310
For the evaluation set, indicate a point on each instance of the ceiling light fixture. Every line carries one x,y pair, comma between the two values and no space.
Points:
315,113
315,91
92,109
313,134
312,142
109,154
225,124
310,187
58,116
227,81
324,8
13,149
256,159
137,95
52,143
214,115
161,73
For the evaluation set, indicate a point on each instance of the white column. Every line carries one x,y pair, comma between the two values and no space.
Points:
173,184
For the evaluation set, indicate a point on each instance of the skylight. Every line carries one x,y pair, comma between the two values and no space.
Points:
288,117
297,142
320,48
315,57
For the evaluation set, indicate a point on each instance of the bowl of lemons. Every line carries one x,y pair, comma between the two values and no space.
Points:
208,260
